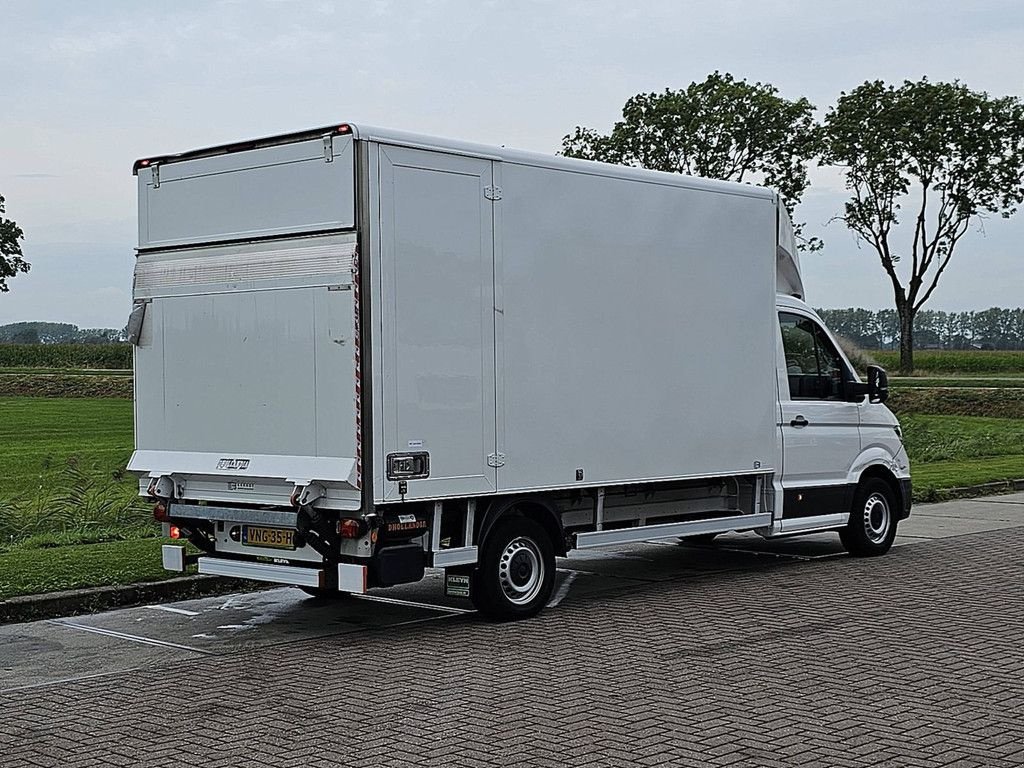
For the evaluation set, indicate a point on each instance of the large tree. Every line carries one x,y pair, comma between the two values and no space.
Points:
720,128
923,161
11,261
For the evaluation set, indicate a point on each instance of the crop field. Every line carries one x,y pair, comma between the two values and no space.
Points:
89,356
931,362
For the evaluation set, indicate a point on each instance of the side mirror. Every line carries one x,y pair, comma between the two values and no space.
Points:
878,384
876,388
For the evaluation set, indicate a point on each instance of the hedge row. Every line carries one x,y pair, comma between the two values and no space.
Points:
64,385
1001,403
66,356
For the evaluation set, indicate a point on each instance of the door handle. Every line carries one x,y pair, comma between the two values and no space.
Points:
799,421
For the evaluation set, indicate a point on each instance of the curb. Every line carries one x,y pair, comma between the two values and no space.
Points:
73,602
969,491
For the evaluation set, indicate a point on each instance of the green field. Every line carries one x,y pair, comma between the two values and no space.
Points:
39,434
952,361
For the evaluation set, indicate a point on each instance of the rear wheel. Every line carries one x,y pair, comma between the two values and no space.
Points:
516,572
872,526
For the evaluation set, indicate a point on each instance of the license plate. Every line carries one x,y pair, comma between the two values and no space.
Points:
273,538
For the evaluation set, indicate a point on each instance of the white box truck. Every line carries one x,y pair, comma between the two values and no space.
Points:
360,353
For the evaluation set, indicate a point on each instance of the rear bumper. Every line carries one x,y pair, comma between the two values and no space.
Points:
351,578
906,496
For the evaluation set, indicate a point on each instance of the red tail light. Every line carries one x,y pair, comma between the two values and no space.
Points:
175,532
160,512
344,128
349,528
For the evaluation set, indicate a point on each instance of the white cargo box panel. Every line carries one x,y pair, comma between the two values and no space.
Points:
636,329
306,186
543,320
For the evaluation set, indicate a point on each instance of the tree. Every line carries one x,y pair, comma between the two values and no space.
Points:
11,261
951,154
721,128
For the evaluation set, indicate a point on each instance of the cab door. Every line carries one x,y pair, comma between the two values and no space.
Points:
820,429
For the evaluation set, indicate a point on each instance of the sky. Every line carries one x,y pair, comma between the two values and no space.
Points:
89,87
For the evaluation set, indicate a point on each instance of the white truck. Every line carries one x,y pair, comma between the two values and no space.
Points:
361,353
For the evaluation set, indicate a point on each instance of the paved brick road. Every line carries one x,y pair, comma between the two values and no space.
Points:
916,659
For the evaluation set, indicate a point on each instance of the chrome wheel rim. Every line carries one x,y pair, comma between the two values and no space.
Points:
521,571
877,518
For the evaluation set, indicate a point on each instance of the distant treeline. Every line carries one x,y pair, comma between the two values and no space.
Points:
57,333
994,328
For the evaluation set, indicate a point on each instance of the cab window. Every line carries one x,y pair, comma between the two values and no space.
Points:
814,367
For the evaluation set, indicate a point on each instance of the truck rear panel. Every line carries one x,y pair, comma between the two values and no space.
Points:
245,367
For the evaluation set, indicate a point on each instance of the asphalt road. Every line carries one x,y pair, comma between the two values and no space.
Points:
745,652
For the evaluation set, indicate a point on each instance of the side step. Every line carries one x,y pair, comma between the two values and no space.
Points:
672,530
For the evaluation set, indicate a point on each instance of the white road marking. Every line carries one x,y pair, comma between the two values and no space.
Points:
64,680
169,609
563,590
413,604
125,636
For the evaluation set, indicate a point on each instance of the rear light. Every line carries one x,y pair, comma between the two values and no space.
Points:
175,532
349,528
160,512
343,128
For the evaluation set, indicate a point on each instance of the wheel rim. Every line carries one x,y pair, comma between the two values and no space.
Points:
877,518
521,571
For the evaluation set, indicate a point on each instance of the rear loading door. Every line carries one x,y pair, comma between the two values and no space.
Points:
245,371
229,368
437,310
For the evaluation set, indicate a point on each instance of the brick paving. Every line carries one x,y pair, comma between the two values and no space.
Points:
915,659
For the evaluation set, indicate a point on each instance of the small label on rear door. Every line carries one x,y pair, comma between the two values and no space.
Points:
415,443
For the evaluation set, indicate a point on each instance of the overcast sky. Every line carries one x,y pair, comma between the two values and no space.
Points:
87,87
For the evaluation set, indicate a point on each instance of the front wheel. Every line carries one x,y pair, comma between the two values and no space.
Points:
516,571
872,526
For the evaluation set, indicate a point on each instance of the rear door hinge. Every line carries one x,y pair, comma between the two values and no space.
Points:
328,148
155,175
492,193
496,460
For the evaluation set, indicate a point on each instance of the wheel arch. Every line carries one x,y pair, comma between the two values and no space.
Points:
538,510
885,474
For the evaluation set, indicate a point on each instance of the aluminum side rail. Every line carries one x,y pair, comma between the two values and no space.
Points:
672,530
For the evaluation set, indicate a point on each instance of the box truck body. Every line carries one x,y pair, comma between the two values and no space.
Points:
361,352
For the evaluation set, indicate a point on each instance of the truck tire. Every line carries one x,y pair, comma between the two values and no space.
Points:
516,571
872,526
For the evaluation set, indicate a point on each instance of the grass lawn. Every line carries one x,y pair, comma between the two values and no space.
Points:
956,451
29,571
39,434
931,478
